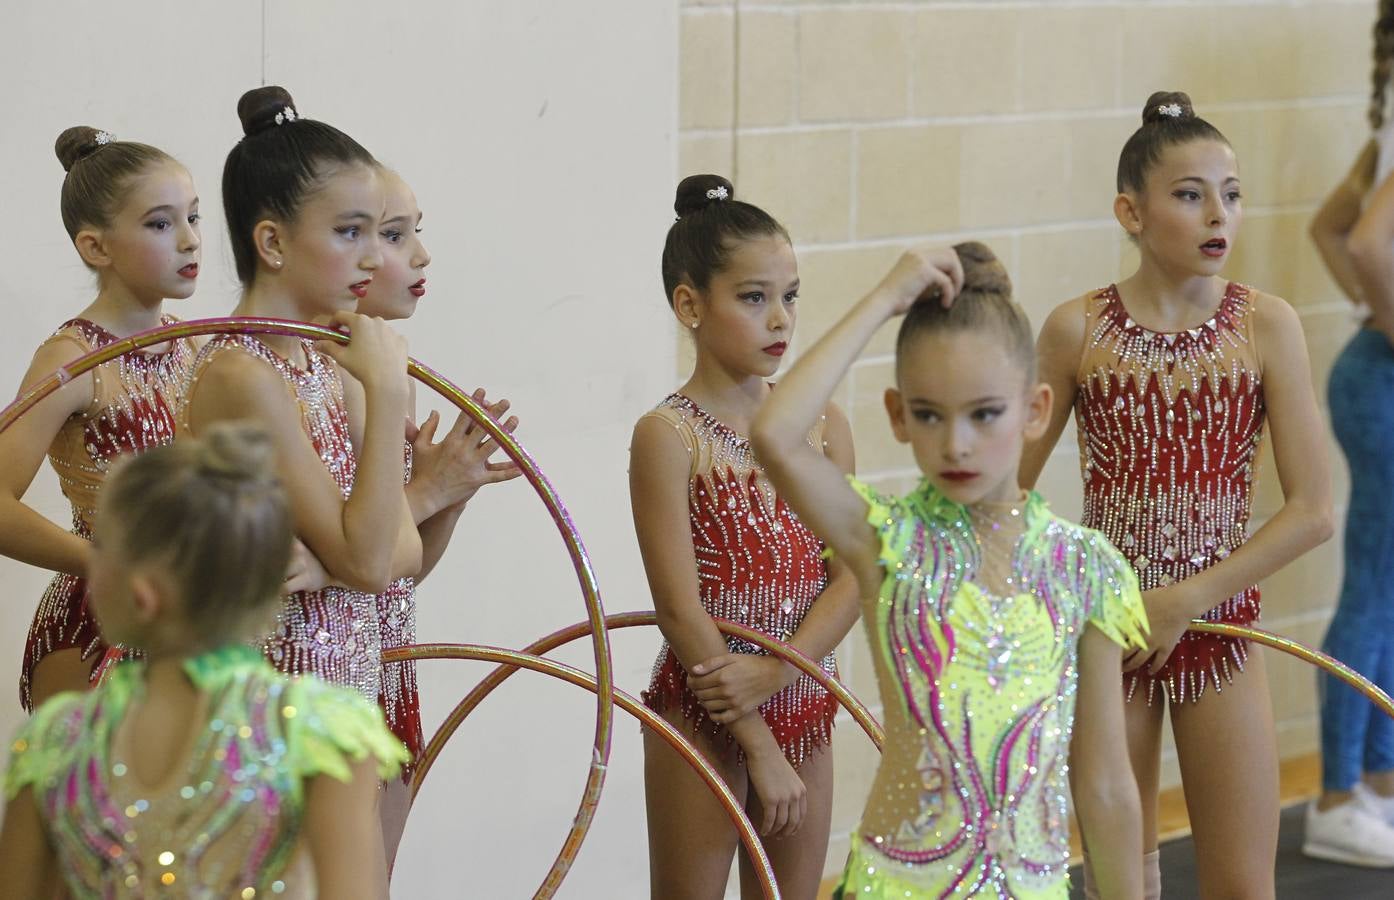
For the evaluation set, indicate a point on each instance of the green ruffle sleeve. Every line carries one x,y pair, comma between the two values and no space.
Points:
1113,600
43,744
329,729
888,517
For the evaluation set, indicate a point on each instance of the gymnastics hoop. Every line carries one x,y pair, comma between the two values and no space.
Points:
604,679
1327,663
779,649
513,660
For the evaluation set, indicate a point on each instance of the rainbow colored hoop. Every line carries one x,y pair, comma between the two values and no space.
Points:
556,639
1330,664
512,660
600,641
597,624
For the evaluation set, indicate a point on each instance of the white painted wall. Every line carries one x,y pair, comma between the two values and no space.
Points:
539,137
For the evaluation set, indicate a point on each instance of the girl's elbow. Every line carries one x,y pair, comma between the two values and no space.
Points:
1365,247
1322,525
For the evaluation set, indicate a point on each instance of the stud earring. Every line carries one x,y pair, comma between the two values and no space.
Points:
276,263
694,326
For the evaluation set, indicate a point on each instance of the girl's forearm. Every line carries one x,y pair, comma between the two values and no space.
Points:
435,537
829,620
694,637
1111,824
803,394
31,538
1291,532
378,498
1372,259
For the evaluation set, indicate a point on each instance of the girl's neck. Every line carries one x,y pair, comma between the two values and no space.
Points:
1169,299
166,672
730,395
122,312
266,299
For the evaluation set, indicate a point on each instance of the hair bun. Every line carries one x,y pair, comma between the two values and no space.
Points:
697,192
983,272
1167,106
237,451
259,108
79,142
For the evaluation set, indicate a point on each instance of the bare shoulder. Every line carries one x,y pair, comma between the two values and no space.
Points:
1064,326
656,439
238,382
1272,312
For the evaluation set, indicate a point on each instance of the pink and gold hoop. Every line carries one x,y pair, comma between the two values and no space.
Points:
600,641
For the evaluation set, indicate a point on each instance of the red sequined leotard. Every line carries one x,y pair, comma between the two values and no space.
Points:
1170,426
132,409
757,565
401,705
332,633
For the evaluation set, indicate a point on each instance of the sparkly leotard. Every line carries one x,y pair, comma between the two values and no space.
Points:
975,639
332,633
132,409
1169,432
757,565
226,823
398,696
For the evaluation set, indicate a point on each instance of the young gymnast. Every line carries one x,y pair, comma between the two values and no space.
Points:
303,203
1353,819
452,470
197,771
132,214
997,628
1172,375
718,541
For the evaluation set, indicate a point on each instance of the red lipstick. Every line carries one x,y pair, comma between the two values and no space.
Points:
1215,248
360,290
418,289
776,349
958,476
189,271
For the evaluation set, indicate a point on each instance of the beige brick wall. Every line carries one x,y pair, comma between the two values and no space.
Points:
867,126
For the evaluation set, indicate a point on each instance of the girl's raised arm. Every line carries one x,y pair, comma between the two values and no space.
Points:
1371,249
24,534
1332,225
815,488
1058,351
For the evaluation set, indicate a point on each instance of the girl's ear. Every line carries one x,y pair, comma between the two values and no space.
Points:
91,247
895,410
1040,399
687,306
148,600
1125,210
266,237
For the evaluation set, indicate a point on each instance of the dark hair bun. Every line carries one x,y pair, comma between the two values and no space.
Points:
983,272
697,192
1167,106
78,142
259,108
